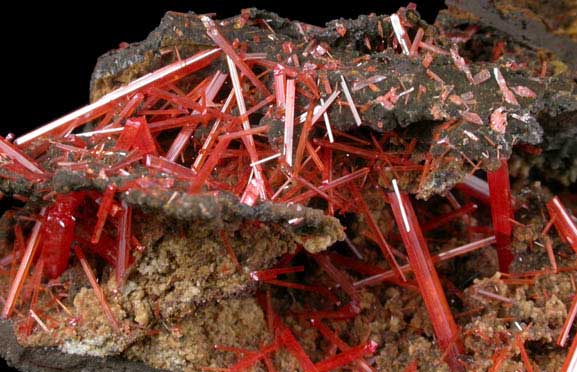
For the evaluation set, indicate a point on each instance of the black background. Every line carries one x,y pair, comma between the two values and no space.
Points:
49,51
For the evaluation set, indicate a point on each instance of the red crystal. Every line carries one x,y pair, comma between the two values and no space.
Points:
571,315
128,109
103,211
24,267
289,121
249,360
566,228
337,275
219,39
230,250
332,337
124,235
502,212
35,282
159,77
339,171
279,85
96,287
475,187
183,137
58,233
167,166
420,260
289,341
524,357
570,363
272,274
18,156
347,356
377,233
551,254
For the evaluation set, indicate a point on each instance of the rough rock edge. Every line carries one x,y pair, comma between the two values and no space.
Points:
525,30
556,101
52,360
315,230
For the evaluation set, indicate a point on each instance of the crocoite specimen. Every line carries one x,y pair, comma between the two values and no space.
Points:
286,138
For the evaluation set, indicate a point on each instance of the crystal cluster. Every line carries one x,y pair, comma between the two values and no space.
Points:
314,138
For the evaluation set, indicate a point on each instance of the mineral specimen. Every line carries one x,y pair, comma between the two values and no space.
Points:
263,194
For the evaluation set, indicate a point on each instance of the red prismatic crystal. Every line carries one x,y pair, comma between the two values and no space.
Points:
169,167
328,186
321,111
328,177
251,358
58,233
355,264
212,136
144,141
18,156
551,254
182,139
376,231
502,212
464,249
524,357
350,101
220,40
35,282
332,337
279,85
250,195
289,341
347,356
159,77
289,122
420,260
230,250
571,315
103,211
124,235
128,109
303,140
143,129
247,139
338,276
565,226
22,273
475,187
106,248
96,287
570,364
272,274
128,136
400,33
208,167
508,96
37,319
269,365
389,275
494,296
416,42
363,153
